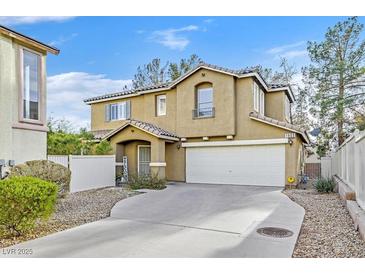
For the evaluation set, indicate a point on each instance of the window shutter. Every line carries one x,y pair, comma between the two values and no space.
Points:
128,110
107,113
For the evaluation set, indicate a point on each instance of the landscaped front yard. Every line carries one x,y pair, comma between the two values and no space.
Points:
327,230
74,210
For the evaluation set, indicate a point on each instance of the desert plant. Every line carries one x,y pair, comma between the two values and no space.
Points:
45,170
325,185
24,200
146,181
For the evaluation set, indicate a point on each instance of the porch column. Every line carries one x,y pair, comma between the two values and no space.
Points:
158,162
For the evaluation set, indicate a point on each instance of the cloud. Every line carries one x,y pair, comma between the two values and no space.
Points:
23,20
63,39
173,38
289,51
66,92
294,53
208,21
284,48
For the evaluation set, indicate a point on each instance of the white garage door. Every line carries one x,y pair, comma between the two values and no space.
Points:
261,165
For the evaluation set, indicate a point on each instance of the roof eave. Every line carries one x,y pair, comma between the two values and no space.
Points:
112,133
29,40
288,89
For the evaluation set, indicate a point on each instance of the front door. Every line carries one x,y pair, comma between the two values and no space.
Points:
144,159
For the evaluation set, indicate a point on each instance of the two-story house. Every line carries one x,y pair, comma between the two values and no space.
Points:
211,125
23,125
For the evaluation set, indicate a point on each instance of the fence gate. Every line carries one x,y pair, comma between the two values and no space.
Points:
312,170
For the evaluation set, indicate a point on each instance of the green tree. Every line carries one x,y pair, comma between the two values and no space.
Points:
155,73
177,69
63,139
103,148
287,75
335,79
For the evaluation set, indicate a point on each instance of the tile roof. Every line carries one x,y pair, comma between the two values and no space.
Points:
99,134
274,122
151,128
168,85
277,85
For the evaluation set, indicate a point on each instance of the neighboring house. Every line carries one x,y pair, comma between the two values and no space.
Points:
23,125
211,125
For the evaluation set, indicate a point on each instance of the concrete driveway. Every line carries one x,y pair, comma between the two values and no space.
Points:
184,220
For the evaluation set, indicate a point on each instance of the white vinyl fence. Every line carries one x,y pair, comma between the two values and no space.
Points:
348,163
326,167
88,172
59,159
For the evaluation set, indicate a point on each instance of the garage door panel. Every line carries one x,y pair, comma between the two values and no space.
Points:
244,165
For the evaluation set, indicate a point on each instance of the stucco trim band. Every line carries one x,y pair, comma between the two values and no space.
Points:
34,127
237,143
158,164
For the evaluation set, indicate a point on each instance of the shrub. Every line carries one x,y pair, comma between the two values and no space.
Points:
103,148
146,181
24,200
45,170
325,185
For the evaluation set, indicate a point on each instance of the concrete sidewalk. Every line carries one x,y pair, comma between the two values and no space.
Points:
184,220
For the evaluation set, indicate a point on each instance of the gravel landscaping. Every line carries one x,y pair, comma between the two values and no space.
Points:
327,230
74,210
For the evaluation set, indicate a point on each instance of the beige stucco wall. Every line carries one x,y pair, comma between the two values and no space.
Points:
131,137
275,105
17,144
293,159
233,101
7,89
175,162
223,100
142,108
29,145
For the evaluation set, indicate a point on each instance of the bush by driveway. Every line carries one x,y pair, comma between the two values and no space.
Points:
74,210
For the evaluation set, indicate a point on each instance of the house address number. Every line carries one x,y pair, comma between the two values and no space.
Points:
289,135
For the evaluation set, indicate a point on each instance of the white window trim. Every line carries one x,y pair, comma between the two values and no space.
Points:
262,102
256,97
118,106
158,101
198,101
287,109
41,106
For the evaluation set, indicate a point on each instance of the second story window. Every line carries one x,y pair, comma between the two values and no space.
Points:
256,92
204,103
117,111
258,99
161,105
262,102
287,109
31,85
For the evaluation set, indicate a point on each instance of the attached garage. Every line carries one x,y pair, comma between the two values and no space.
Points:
239,163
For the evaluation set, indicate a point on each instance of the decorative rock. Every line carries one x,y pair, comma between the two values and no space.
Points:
327,230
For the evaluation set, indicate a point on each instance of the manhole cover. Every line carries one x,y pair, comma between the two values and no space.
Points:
275,232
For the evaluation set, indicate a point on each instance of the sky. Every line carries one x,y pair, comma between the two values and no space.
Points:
100,54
